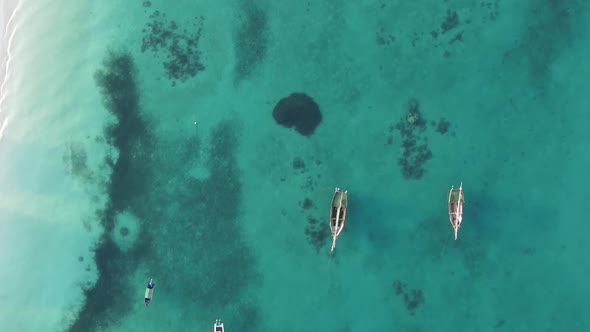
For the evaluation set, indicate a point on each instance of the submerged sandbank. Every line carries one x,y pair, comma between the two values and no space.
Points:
49,169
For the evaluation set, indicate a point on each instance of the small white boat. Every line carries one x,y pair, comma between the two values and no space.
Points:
149,292
456,199
338,214
218,326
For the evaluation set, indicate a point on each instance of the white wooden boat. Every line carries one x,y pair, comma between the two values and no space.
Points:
338,214
218,326
456,199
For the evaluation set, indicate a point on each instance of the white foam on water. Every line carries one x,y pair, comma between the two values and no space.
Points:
9,32
51,121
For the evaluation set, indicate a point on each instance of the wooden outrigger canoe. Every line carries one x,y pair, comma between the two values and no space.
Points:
456,199
338,214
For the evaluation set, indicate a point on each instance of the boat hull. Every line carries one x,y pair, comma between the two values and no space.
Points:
218,326
338,214
455,205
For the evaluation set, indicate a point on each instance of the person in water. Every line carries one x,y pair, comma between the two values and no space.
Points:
149,292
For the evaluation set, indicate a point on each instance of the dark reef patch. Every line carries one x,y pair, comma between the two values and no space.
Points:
317,233
307,204
247,317
450,21
110,298
446,33
549,31
414,144
189,216
298,164
309,183
180,47
383,38
299,111
79,159
75,159
250,39
413,298
129,134
442,127
104,304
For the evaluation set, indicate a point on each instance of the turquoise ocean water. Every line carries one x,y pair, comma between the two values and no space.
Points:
138,142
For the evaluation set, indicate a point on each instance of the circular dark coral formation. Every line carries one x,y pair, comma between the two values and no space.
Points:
80,259
299,111
124,231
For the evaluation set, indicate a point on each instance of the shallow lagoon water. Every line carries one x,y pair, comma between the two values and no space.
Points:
107,181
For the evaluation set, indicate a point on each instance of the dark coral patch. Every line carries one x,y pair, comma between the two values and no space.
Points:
131,136
317,233
443,126
298,163
299,111
250,39
414,144
413,298
124,231
307,204
180,47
